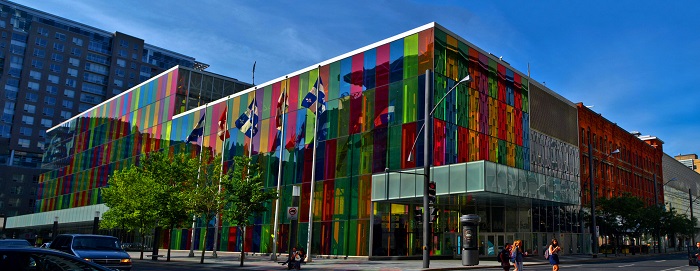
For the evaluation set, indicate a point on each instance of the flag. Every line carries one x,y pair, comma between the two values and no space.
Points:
197,131
223,127
281,107
310,98
248,121
384,117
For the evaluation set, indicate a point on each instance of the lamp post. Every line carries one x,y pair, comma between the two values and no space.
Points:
690,206
54,231
295,222
426,163
96,222
591,175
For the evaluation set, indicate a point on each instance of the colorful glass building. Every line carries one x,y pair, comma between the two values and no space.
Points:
504,147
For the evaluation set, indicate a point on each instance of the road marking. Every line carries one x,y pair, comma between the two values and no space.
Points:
628,265
660,261
673,268
573,265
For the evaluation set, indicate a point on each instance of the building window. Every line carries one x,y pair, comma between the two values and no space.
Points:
118,83
55,68
35,75
28,120
33,85
133,66
53,78
60,36
58,46
121,62
50,100
69,93
76,51
29,108
123,43
74,61
119,72
46,123
32,97
73,72
25,131
24,142
37,64
47,111
77,41
40,42
122,53
71,82
39,53
5,130
42,31
65,115
52,90
57,57
67,104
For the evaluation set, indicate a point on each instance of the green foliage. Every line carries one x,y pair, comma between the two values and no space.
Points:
245,195
131,201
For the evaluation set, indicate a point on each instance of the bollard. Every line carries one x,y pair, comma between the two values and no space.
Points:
470,248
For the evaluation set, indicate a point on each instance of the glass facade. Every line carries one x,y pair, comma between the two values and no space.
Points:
373,110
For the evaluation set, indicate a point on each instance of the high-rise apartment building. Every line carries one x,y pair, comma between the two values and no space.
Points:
52,69
689,160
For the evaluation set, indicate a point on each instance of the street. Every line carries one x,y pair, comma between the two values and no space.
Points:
664,262
669,262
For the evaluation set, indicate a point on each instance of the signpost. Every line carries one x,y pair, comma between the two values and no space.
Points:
292,213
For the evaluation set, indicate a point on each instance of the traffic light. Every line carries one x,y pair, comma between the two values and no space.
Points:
418,214
432,197
433,214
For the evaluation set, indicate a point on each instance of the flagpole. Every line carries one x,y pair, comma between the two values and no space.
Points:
223,151
199,169
279,179
313,171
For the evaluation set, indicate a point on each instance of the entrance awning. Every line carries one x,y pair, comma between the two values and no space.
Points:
478,179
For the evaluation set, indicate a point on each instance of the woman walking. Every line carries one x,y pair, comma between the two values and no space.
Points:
554,249
517,255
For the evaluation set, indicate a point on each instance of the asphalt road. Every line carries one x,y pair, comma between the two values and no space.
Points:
672,262
667,262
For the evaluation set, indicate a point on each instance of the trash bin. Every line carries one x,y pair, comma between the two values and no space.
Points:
470,246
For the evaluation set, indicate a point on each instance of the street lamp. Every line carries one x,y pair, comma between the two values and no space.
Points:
96,222
426,164
591,175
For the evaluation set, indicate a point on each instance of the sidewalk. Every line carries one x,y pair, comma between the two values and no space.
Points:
263,262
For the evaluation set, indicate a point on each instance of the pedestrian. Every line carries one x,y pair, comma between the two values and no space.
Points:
554,249
504,257
291,259
516,255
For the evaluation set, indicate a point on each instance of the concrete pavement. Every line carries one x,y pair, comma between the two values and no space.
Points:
231,260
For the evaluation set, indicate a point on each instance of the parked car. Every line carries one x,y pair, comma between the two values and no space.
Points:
14,243
31,258
100,249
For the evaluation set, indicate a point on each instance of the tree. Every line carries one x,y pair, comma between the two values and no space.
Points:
621,216
204,199
173,175
245,195
131,200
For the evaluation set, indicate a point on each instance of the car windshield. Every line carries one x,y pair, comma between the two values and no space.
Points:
95,243
14,243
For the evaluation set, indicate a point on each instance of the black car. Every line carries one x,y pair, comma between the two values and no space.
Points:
100,249
14,243
30,258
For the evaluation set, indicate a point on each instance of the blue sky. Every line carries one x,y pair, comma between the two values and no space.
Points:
634,61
